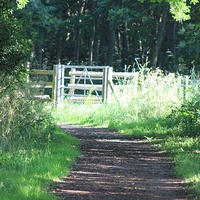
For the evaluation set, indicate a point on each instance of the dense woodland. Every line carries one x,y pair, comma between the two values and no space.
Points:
103,32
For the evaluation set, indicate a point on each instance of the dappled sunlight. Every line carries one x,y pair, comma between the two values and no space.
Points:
113,166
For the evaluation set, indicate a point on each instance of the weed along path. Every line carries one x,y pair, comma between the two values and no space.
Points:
117,167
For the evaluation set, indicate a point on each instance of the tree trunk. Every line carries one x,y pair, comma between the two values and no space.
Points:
111,43
77,44
160,35
119,47
125,50
92,34
96,41
175,49
38,56
91,44
59,55
78,36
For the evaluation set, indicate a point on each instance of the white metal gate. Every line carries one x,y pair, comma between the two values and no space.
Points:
81,83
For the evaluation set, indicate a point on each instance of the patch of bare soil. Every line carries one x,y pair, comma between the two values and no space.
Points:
117,167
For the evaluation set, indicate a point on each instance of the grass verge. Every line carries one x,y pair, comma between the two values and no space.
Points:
28,172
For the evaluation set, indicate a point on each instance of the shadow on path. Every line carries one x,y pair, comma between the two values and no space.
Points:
118,167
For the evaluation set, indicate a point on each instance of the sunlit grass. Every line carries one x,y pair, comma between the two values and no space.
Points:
182,144
28,174
188,167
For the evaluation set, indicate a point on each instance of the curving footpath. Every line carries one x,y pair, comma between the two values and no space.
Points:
118,167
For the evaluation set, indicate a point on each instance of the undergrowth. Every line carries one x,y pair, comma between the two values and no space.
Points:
34,153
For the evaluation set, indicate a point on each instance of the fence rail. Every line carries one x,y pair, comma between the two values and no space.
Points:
42,83
74,83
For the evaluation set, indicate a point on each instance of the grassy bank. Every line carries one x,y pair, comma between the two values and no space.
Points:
28,173
33,151
158,113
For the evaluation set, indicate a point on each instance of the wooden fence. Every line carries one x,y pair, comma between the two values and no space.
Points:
38,81
78,83
94,83
91,82
107,86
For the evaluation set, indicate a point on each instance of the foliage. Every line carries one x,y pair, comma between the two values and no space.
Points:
33,151
28,138
147,96
14,48
179,9
21,116
54,26
22,3
188,162
189,46
186,118
185,152
30,171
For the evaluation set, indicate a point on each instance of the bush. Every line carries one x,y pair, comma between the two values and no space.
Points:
186,119
34,152
15,48
21,117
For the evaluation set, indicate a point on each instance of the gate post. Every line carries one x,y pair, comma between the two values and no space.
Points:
109,79
54,86
104,84
62,95
72,81
59,88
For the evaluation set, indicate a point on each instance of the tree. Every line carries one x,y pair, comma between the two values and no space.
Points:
189,42
14,46
160,32
105,32
179,9
41,23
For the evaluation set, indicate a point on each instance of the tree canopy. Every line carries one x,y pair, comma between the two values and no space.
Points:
180,9
13,43
99,32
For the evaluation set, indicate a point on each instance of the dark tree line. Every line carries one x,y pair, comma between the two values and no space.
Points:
108,32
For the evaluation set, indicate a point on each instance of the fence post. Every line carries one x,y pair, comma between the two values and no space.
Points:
62,83
72,81
185,87
109,80
59,83
54,84
104,84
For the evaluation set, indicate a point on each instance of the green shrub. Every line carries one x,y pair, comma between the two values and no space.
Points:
21,117
33,151
186,119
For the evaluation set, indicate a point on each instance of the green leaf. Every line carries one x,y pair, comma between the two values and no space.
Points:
182,44
22,3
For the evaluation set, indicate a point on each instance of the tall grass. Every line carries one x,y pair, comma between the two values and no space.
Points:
33,151
161,108
153,95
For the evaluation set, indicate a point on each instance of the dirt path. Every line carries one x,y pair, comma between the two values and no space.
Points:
117,167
